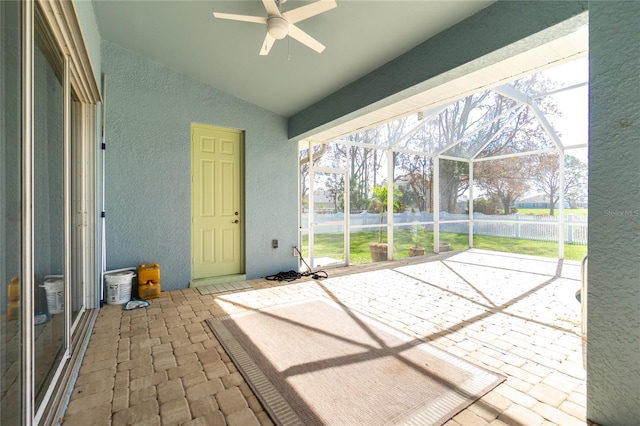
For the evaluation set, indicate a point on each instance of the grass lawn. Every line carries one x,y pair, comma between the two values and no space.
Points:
545,212
331,245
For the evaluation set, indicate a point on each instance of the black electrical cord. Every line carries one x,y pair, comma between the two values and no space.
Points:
293,275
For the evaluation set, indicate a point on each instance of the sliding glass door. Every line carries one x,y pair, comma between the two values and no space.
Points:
47,207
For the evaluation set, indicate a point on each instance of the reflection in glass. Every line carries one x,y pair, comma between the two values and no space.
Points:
10,212
77,230
48,262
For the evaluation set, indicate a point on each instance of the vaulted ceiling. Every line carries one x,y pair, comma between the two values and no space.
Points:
359,35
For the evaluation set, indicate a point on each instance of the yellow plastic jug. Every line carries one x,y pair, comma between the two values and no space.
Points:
148,272
149,281
148,291
13,294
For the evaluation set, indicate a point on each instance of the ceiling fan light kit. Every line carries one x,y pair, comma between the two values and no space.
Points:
278,27
281,24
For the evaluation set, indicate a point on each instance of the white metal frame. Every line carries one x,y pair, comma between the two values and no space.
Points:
311,225
524,101
28,358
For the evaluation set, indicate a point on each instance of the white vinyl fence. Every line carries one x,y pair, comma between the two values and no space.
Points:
520,226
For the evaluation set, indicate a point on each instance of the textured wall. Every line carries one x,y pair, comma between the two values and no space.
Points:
150,109
613,375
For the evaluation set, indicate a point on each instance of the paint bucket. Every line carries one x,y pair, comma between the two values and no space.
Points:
118,285
54,289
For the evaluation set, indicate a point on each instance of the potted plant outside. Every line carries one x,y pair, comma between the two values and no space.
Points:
417,235
379,249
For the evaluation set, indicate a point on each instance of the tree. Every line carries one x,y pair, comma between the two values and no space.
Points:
477,126
484,206
454,181
546,179
488,124
414,174
364,163
335,192
452,126
504,180
379,203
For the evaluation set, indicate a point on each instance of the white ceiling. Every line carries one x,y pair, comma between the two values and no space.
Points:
359,35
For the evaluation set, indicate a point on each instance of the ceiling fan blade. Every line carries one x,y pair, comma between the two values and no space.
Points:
271,7
266,46
305,39
304,12
243,18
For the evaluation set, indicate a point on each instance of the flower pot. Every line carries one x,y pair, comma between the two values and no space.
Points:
445,246
416,251
378,251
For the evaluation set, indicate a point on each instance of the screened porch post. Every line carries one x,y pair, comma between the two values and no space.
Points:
390,204
312,204
436,205
470,204
561,230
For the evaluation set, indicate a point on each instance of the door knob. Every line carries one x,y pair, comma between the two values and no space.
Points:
236,221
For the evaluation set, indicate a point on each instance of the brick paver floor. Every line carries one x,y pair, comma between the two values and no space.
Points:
513,314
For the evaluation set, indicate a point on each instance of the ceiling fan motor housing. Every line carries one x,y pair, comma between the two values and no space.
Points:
283,24
278,27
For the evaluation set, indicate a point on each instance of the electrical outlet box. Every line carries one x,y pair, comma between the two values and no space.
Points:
274,243
294,251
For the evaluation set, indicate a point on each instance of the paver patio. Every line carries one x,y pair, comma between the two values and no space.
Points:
513,314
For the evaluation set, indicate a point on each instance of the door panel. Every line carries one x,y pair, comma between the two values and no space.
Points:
216,202
328,237
48,207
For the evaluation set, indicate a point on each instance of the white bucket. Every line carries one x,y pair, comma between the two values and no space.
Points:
54,289
118,286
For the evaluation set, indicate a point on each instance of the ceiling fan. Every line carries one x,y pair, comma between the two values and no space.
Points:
282,24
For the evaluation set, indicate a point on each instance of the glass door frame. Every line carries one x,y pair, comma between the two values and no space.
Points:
314,225
80,97
310,225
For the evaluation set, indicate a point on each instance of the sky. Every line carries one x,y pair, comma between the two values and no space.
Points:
574,104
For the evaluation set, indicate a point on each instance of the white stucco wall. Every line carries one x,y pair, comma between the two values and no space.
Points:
613,373
150,109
